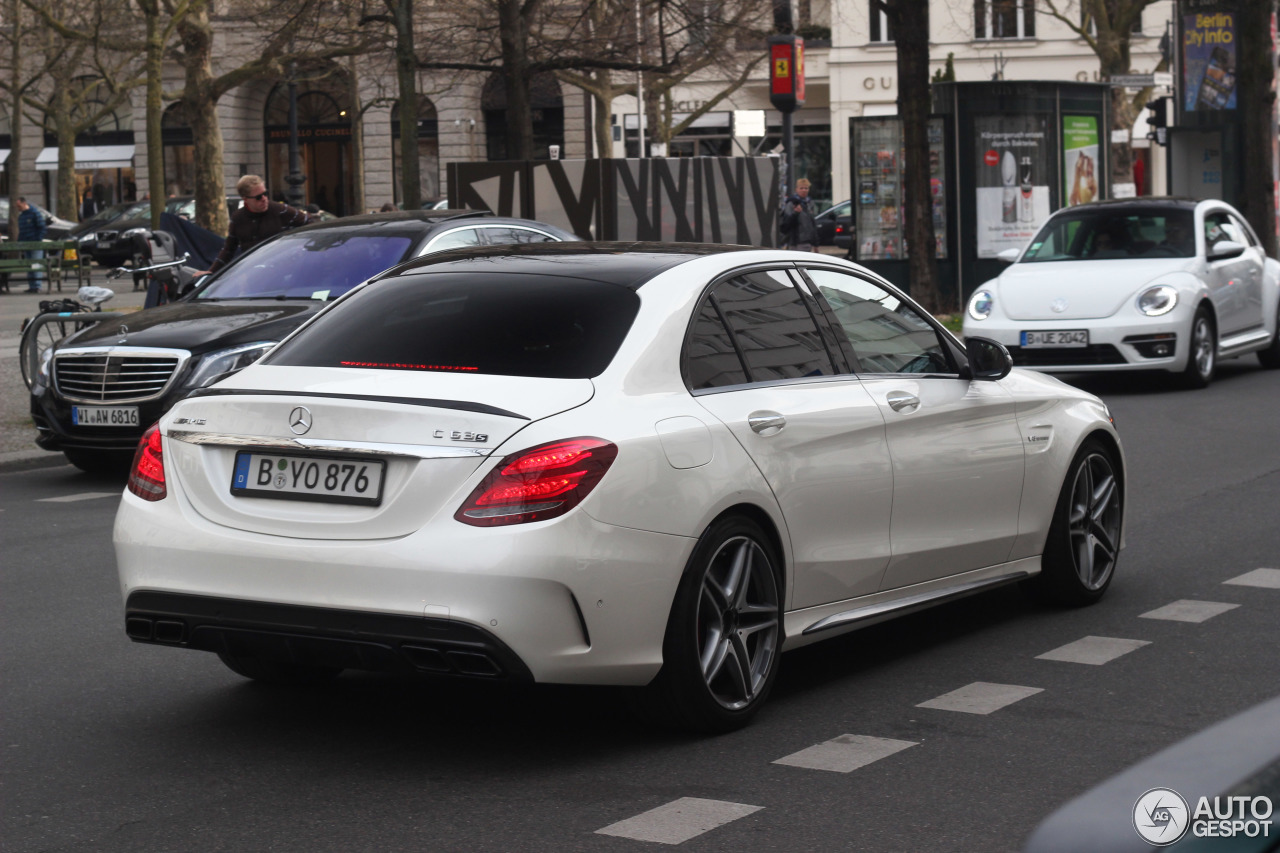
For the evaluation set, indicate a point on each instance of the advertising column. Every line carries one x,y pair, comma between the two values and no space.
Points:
1208,60
1014,167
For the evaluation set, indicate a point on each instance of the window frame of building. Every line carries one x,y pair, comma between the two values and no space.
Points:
992,15
881,31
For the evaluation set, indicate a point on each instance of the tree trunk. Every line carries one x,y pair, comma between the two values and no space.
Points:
602,122
1256,101
201,106
357,139
407,79
65,193
515,63
15,113
155,107
910,22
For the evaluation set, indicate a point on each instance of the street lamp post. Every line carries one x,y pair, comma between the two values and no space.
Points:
295,179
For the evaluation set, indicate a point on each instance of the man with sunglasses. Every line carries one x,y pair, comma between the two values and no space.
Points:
256,220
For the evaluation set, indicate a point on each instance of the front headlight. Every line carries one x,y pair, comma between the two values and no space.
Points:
1158,300
218,365
132,231
980,304
42,372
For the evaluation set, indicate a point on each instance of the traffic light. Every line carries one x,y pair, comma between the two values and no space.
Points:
1159,108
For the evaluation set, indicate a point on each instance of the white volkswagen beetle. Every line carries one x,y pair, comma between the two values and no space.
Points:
618,464
1135,284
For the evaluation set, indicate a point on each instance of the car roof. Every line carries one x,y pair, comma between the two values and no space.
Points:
1139,202
628,264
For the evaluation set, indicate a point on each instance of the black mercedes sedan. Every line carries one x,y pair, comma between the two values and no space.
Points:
95,392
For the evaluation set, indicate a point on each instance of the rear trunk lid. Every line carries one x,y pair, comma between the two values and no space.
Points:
421,434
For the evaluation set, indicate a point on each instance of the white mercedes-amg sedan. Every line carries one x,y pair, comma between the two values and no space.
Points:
1135,284
622,464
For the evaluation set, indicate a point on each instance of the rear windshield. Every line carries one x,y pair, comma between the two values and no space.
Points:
309,265
508,325
1113,235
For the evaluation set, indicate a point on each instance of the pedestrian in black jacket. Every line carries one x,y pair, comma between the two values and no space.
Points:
258,219
31,228
798,228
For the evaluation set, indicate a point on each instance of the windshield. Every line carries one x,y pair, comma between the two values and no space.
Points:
1115,234
309,265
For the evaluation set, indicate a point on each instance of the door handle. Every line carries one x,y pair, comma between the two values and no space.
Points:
901,401
766,423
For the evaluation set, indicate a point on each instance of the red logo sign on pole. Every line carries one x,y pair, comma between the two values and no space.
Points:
786,72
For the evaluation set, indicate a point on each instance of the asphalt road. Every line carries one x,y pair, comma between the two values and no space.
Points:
110,746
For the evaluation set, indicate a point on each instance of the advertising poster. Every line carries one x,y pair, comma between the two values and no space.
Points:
1209,61
1080,159
1014,169
879,215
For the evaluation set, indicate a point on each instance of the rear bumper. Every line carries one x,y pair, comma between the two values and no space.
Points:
347,639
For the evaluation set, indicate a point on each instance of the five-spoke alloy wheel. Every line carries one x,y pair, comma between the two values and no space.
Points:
724,636
1084,539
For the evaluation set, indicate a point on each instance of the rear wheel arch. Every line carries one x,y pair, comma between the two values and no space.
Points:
765,521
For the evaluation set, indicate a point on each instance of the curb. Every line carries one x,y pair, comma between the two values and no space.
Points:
27,460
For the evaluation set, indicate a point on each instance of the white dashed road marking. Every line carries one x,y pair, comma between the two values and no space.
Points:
846,753
1265,578
981,697
83,496
1093,650
1189,611
678,821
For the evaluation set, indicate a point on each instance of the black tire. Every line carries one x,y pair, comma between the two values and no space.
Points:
105,463
1270,357
1083,546
1202,351
724,635
274,672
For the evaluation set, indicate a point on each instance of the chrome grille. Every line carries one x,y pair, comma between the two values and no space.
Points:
115,376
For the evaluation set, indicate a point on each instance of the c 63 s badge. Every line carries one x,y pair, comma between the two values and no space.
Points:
460,435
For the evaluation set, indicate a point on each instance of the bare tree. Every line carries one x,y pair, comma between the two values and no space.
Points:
1107,26
23,76
93,76
909,22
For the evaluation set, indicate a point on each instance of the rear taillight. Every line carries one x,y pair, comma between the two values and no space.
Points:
537,484
147,478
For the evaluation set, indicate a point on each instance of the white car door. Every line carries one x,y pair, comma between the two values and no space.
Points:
810,427
955,443
1235,283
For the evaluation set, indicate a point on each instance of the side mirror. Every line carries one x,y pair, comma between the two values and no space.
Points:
1009,255
1225,249
988,360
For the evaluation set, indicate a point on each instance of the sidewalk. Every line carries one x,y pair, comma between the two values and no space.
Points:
18,450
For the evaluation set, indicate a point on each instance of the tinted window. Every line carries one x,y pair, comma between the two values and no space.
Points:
887,334
502,235
509,325
710,361
309,265
459,239
1114,234
772,326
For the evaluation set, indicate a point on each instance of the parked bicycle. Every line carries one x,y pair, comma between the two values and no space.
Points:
42,336
164,281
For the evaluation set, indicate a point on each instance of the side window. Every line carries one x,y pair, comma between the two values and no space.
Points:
886,333
1217,226
503,235
774,331
709,360
455,240
1246,235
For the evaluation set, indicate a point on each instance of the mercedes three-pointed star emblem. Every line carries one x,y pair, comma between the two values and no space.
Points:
124,333
300,420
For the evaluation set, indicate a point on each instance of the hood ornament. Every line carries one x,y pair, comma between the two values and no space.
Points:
124,334
1059,305
300,420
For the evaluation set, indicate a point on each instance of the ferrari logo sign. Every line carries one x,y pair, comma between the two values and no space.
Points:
786,83
782,68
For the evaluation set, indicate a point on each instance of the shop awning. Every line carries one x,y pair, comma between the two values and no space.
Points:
90,157
4,157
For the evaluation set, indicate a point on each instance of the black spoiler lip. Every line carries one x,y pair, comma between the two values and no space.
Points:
458,405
